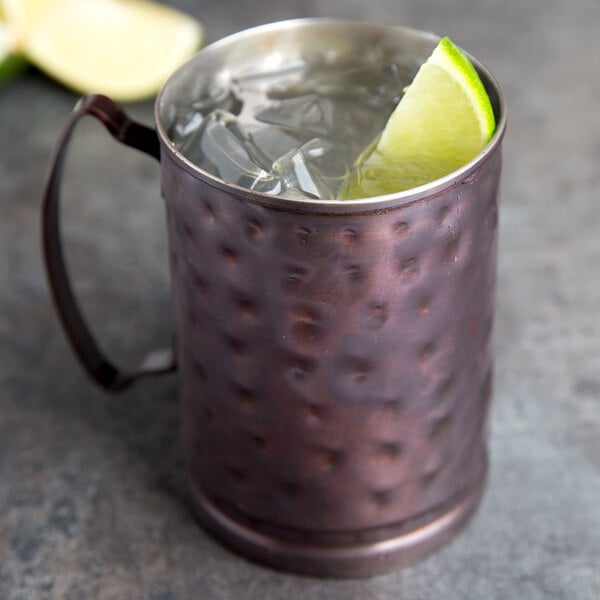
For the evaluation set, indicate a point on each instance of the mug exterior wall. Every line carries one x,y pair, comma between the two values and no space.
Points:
335,365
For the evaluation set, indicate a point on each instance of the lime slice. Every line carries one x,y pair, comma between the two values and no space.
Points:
121,48
11,62
444,119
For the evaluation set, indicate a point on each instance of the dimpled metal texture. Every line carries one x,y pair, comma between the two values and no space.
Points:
336,366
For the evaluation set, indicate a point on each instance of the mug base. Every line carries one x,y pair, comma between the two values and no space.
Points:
349,561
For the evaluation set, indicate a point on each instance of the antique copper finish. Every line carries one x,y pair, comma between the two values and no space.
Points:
97,365
335,359
335,367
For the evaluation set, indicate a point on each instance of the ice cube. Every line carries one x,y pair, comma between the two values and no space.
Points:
220,94
374,85
186,125
269,77
309,113
217,95
222,147
315,169
276,141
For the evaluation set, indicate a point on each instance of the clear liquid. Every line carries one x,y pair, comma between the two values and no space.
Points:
293,132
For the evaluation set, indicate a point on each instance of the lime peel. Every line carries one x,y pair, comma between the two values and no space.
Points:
11,62
451,58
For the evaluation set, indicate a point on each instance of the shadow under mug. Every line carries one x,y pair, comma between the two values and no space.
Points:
334,358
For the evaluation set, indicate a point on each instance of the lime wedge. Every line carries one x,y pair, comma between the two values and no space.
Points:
11,62
444,119
121,48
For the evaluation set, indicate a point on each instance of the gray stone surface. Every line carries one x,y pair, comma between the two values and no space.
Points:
92,494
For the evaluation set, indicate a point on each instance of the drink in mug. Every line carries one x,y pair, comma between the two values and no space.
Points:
294,130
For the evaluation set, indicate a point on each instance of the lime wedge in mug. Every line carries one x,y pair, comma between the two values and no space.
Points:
121,48
444,119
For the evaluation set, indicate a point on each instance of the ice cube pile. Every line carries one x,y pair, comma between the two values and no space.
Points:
293,131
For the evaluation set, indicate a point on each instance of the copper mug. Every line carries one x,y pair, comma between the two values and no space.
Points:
334,358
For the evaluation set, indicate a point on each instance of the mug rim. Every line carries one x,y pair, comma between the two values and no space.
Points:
417,193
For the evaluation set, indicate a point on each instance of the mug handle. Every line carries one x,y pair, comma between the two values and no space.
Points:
138,136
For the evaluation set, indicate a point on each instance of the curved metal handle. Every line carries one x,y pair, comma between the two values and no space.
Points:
133,134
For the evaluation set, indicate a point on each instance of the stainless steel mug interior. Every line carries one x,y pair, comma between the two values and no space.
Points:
335,358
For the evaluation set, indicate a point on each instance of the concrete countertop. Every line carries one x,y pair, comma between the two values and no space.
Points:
93,503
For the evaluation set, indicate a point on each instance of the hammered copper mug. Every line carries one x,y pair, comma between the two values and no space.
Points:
334,358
